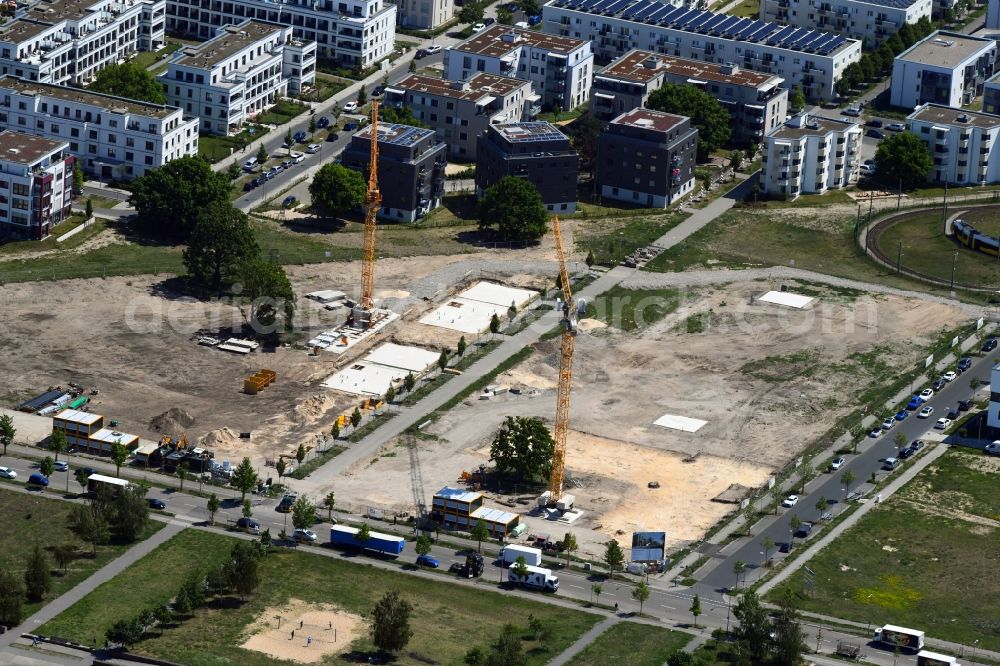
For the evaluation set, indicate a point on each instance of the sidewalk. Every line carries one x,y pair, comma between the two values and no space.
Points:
581,643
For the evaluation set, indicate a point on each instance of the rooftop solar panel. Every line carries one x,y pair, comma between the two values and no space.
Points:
740,31
776,37
701,21
836,44
663,13
713,22
723,27
618,6
601,5
658,11
634,11
761,32
679,19
821,38
802,39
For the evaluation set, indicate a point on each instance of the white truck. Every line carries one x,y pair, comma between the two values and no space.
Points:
928,658
535,578
900,637
532,556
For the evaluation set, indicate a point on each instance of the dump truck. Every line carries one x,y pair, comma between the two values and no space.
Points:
387,544
534,578
901,637
532,556
928,658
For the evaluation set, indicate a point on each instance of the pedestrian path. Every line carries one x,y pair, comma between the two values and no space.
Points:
581,643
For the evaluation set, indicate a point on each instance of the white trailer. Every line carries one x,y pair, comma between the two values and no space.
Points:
532,556
535,578
900,637
928,658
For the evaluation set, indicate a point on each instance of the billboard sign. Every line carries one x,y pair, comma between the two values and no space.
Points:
648,546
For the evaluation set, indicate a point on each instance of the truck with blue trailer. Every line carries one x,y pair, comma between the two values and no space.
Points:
386,544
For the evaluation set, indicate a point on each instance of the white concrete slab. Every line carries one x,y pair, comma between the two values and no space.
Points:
683,423
413,359
498,294
364,379
787,299
339,340
465,315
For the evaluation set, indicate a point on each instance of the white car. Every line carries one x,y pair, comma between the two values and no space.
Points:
296,157
837,463
790,501
895,127
888,423
478,27
867,169
305,535
433,48
60,466
851,111
942,424
927,394
993,448
312,148
949,376
7,473
351,106
925,412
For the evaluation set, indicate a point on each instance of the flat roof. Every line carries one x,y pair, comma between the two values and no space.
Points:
58,10
392,355
821,127
498,40
498,294
682,423
458,494
493,515
479,85
76,416
232,40
946,115
649,119
534,131
643,66
20,30
80,96
364,378
109,436
396,135
27,149
472,310
945,49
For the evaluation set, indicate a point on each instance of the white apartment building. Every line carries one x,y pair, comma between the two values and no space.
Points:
560,68
871,21
350,32
756,102
238,74
810,155
963,143
425,14
69,41
36,185
946,68
459,111
801,56
112,137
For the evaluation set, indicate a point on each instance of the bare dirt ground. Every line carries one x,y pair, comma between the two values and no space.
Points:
308,633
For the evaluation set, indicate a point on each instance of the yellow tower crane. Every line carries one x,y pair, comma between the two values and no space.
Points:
373,202
570,313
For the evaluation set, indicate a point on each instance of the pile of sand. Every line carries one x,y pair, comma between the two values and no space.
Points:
314,407
172,421
221,438
303,632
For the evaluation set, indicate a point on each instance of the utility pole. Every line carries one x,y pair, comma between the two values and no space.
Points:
899,257
944,211
954,260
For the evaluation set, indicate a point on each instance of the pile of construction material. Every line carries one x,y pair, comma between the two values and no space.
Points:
642,256
258,381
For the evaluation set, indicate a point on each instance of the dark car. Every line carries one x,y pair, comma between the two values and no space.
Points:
953,413
350,127
323,122
289,201
535,20
156,504
906,453
989,345
875,133
421,53
874,122
489,21
964,364
377,92
299,137
964,405
917,444
37,479
332,136
938,384
784,547
805,529
249,185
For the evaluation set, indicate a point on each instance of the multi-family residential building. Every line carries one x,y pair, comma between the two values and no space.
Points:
991,95
809,155
871,21
351,32
963,143
992,15
535,151
69,41
425,14
459,111
756,102
946,68
36,185
647,158
560,68
112,137
803,57
236,75
411,165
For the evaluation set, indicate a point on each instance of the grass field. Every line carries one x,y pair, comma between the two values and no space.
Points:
632,644
447,621
282,112
629,309
613,239
33,519
918,559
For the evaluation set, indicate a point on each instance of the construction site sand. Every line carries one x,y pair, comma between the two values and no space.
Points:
332,631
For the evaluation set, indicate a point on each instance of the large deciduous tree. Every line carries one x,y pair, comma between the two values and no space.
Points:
129,80
221,240
37,577
391,622
706,113
336,190
169,199
303,513
514,208
7,431
523,446
903,158
11,599
265,291
244,478
754,627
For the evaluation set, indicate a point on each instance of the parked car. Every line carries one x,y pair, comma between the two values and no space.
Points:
249,185
784,547
790,501
925,412
867,169
421,53
323,122
156,503
299,136
876,433
289,201
917,444
805,529
938,384
37,479
905,453
942,424
891,463
875,133
902,414
306,536
332,136
852,111
350,127
248,525
993,448
964,405
7,473
535,20
478,27
60,466
350,107
837,463
377,92
428,561
297,158
949,376
434,48
287,164
927,394
895,127
953,413
489,20
964,364
914,403
874,122
988,345
312,148
888,423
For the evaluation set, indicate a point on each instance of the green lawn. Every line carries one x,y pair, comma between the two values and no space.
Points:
447,621
918,560
815,200
282,112
612,239
746,9
35,519
214,147
629,310
325,87
632,644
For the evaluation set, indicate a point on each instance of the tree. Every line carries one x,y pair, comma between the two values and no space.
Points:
443,360
409,382
312,124
300,453
748,516
767,544
847,478
706,113
64,553
583,133
182,603
78,176
391,622
262,153
89,524
337,189
736,160
472,12
696,608
569,545
214,504
169,199
524,446
119,454
162,615
494,324
57,443
303,513
476,656
244,478
125,633
596,590
506,650
821,505
233,171
423,546
364,533
511,312
390,394
328,503
788,639
515,209
11,599
614,557
401,116
362,96
590,260
280,468
797,99
131,81
480,533
247,509
264,289
640,593
356,417
903,158
754,628
505,16
680,658
843,86
739,568
221,240
794,523
520,566
130,512
243,568
47,467
335,430
7,431
37,577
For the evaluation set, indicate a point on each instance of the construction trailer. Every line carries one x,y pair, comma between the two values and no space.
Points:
462,509
77,426
103,441
41,400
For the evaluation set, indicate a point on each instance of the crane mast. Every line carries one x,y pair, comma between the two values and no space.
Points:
565,372
373,202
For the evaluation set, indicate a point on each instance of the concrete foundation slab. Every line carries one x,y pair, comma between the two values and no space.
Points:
364,379
413,359
339,340
787,299
683,423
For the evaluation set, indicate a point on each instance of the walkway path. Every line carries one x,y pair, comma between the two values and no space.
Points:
576,648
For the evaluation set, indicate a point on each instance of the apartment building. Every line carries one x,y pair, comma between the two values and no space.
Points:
411,165
535,151
424,14
963,143
112,137
36,185
757,103
647,158
459,111
350,32
238,74
69,41
991,95
992,15
810,155
871,21
803,57
946,68
560,68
